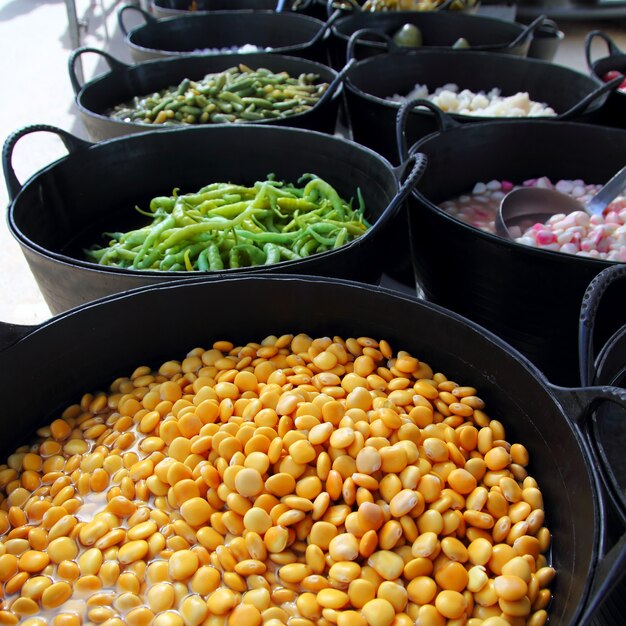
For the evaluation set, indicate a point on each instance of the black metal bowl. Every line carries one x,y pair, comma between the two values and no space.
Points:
174,8
96,98
284,33
440,29
530,297
369,82
65,207
83,350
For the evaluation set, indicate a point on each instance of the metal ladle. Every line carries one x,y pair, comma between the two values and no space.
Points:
521,208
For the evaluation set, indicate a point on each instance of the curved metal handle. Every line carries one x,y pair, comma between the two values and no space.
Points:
127,7
610,570
301,5
341,6
113,63
325,29
580,107
71,142
391,46
12,333
444,122
419,162
528,31
336,83
610,44
588,312
580,402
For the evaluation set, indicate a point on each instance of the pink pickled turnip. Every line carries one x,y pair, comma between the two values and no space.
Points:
601,236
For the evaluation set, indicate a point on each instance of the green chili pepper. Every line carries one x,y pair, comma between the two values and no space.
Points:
233,258
341,238
288,254
325,241
151,239
255,255
309,247
203,260
234,225
215,260
278,238
272,253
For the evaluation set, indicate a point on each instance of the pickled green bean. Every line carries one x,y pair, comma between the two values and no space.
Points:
238,94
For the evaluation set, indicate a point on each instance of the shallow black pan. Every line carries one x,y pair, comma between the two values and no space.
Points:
124,82
529,297
285,33
439,30
174,8
66,206
369,82
84,349
614,113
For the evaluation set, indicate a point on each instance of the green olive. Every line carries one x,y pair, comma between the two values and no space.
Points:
409,36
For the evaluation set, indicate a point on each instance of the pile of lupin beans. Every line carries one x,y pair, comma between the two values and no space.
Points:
451,99
238,94
229,226
295,481
598,236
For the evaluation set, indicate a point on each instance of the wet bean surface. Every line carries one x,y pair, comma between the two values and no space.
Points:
293,481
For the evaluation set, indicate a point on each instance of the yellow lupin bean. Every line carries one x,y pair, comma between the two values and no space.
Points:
55,595
379,612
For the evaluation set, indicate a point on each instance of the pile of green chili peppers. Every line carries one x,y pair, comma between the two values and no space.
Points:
238,94
226,226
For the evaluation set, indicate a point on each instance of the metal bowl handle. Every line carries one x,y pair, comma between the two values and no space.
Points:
610,44
112,62
588,312
354,37
611,568
444,122
582,105
609,572
13,185
417,163
324,30
528,31
579,405
580,402
148,17
336,83
332,5
301,5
